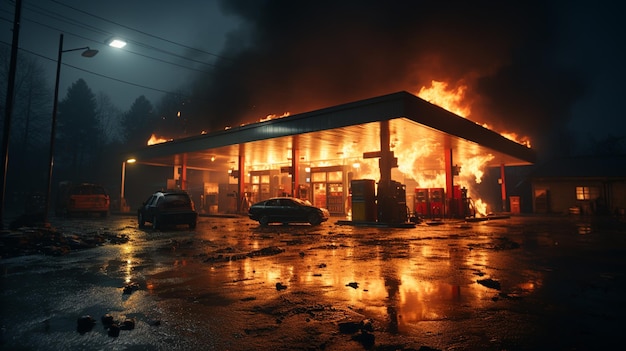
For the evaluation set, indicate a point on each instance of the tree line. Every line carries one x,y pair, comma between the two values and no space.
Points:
91,132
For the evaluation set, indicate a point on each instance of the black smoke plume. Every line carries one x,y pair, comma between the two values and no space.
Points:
297,56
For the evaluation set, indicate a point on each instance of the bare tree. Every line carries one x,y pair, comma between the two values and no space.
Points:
109,116
30,126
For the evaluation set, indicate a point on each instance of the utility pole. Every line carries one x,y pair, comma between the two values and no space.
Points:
9,109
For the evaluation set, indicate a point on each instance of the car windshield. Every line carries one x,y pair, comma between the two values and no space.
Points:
176,201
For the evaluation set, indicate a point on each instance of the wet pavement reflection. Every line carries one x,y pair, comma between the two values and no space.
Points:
519,283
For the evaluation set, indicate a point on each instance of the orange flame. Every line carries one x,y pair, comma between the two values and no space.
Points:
450,99
274,116
157,140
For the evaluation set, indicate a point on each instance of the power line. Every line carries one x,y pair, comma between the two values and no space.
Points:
139,31
129,51
94,73
100,31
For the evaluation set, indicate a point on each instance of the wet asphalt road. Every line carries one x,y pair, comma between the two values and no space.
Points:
519,283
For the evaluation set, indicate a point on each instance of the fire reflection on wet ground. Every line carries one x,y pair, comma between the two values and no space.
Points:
231,284
401,277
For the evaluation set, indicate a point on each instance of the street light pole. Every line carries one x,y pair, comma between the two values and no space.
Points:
86,53
122,199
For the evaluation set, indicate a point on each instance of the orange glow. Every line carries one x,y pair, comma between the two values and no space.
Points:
473,167
514,137
450,99
273,116
480,207
157,140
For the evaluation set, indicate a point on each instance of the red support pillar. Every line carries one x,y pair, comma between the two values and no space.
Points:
242,205
295,165
503,187
183,173
449,173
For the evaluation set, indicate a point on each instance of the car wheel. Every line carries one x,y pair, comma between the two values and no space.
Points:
264,220
141,220
315,219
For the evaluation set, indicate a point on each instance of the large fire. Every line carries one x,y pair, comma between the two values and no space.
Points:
453,100
409,153
450,99
471,166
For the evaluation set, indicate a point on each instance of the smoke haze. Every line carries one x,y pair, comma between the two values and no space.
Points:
297,56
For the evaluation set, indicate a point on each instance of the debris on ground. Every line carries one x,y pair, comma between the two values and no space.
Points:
49,241
490,283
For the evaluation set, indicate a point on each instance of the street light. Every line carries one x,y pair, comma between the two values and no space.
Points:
87,52
116,43
123,207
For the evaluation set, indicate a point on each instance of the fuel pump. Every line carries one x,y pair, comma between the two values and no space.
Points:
391,202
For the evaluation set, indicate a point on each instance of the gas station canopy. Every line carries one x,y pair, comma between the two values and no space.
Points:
346,130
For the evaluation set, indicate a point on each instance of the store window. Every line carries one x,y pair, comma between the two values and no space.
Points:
586,193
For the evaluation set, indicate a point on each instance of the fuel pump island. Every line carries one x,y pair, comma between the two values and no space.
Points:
387,205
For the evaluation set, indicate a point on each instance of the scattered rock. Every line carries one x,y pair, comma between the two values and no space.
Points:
29,240
266,251
349,327
509,296
130,288
128,324
107,320
367,325
85,324
354,285
366,339
114,330
490,283
363,326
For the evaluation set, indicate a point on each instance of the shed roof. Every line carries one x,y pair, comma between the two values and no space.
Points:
583,167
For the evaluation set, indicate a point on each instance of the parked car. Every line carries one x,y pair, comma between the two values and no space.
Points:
169,207
82,199
287,210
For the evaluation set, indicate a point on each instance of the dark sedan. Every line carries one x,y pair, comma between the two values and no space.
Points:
287,210
168,208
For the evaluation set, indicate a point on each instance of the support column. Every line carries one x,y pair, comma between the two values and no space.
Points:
242,201
449,173
386,157
503,187
183,173
122,200
295,165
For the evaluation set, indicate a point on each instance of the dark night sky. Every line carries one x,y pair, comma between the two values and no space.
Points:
550,70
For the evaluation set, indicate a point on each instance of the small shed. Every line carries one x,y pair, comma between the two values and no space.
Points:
590,185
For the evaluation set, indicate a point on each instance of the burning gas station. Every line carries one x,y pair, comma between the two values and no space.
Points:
386,159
